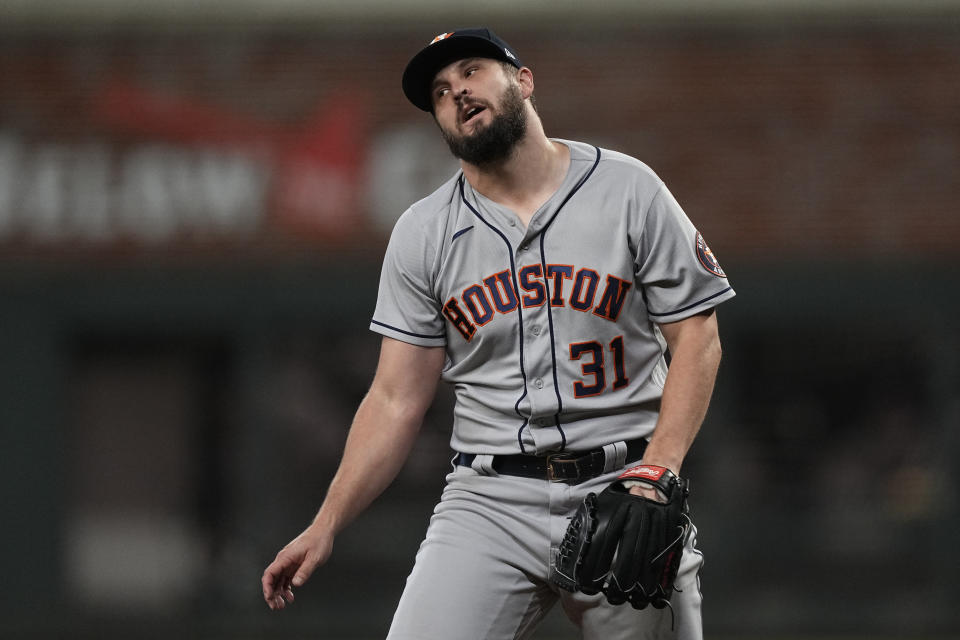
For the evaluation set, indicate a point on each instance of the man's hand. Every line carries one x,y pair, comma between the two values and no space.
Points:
293,566
381,436
648,492
626,545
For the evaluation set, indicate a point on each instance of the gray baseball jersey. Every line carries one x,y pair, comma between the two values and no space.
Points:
551,330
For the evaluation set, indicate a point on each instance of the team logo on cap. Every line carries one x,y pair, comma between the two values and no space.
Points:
442,36
707,259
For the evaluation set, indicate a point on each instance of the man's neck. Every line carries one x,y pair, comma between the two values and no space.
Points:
525,180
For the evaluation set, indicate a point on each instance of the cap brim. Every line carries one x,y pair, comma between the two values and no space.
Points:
421,70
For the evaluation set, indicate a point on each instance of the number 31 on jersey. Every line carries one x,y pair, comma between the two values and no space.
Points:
592,365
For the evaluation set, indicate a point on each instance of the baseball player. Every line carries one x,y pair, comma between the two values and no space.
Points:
549,281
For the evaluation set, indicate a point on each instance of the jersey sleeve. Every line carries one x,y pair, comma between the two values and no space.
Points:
675,269
406,307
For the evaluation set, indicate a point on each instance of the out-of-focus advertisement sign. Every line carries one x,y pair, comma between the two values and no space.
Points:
149,163
821,148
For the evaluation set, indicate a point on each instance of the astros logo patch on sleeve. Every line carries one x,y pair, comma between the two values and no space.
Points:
707,259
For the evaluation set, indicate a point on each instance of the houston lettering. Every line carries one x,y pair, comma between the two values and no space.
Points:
580,289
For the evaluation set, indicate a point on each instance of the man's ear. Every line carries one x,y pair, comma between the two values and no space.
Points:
525,79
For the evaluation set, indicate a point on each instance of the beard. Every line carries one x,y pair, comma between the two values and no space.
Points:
495,142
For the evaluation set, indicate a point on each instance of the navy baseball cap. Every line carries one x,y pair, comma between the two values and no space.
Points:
475,42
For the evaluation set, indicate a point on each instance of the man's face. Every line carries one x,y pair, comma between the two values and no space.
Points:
479,109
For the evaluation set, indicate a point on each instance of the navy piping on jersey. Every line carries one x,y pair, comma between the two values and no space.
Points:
546,283
513,279
689,306
409,333
460,233
513,276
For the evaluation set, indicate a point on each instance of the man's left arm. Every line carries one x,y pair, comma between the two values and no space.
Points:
694,345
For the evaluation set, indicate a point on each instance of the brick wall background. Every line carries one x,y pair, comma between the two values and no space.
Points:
819,142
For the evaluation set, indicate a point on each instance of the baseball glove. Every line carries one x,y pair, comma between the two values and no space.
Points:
626,546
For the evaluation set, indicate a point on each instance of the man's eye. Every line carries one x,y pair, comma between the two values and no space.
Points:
470,71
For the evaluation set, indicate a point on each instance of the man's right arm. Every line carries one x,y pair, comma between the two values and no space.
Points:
381,436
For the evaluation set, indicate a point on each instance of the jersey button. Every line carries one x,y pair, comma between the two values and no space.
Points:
535,331
538,383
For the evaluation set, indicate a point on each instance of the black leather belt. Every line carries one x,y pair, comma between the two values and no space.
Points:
557,467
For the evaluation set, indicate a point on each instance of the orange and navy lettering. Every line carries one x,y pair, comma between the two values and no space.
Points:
531,279
477,304
498,294
558,273
611,302
501,290
584,289
456,316
592,365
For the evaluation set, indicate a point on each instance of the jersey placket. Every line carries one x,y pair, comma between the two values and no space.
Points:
545,404
507,225
543,401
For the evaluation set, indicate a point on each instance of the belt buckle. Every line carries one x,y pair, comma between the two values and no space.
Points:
562,458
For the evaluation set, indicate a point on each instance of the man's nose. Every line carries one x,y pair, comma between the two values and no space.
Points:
459,95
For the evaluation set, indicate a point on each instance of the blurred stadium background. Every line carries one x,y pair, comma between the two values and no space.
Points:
194,201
